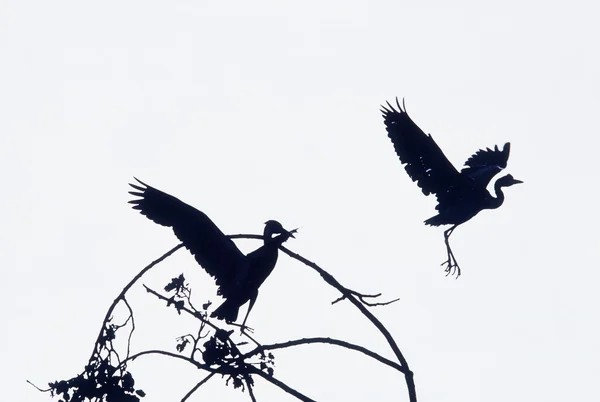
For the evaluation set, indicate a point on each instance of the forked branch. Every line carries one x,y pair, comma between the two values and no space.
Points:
359,304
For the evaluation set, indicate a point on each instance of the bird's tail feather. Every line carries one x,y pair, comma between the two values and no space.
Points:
227,311
435,221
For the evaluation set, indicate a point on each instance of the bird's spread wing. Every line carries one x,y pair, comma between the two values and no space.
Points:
485,164
214,251
425,162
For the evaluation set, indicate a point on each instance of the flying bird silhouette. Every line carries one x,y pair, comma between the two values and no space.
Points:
238,276
460,195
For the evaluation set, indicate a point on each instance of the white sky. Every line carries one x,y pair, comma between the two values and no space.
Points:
269,109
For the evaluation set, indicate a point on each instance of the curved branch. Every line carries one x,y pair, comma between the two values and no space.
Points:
38,388
169,354
347,293
331,341
132,325
410,383
126,289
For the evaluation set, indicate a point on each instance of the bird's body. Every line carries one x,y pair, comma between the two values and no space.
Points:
464,205
238,276
261,263
461,195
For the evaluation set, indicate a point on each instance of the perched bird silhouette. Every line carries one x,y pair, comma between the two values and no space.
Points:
238,276
460,195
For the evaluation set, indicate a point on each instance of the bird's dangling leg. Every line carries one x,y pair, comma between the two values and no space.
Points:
451,263
243,328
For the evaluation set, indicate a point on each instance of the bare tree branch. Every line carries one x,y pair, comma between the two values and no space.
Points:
182,308
410,383
124,291
251,391
168,354
330,341
195,388
132,325
280,384
362,298
38,388
347,293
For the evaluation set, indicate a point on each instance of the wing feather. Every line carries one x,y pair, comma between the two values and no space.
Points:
483,165
425,162
214,251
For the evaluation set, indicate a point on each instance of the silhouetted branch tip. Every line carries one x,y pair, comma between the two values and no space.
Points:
362,298
38,388
359,304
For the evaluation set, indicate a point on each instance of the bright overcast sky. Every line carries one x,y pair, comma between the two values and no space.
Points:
270,110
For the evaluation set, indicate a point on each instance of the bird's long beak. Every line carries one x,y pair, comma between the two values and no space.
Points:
291,232
517,181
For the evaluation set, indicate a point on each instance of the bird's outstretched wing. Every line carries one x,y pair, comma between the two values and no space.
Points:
425,162
214,251
485,164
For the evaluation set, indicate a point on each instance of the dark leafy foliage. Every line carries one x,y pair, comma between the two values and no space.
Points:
99,382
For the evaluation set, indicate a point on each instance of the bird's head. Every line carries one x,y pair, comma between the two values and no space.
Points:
273,227
507,181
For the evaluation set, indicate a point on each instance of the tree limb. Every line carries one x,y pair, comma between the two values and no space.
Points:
195,388
280,384
330,341
347,293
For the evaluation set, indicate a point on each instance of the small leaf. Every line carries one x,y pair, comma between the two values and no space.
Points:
181,346
140,393
237,383
176,283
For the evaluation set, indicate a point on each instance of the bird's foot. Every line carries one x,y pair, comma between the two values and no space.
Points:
243,328
451,267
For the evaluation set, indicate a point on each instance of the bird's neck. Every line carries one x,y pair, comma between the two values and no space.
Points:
496,202
267,236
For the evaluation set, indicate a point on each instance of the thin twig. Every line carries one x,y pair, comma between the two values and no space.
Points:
201,383
362,298
247,335
132,325
168,354
183,308
200,317
38,388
